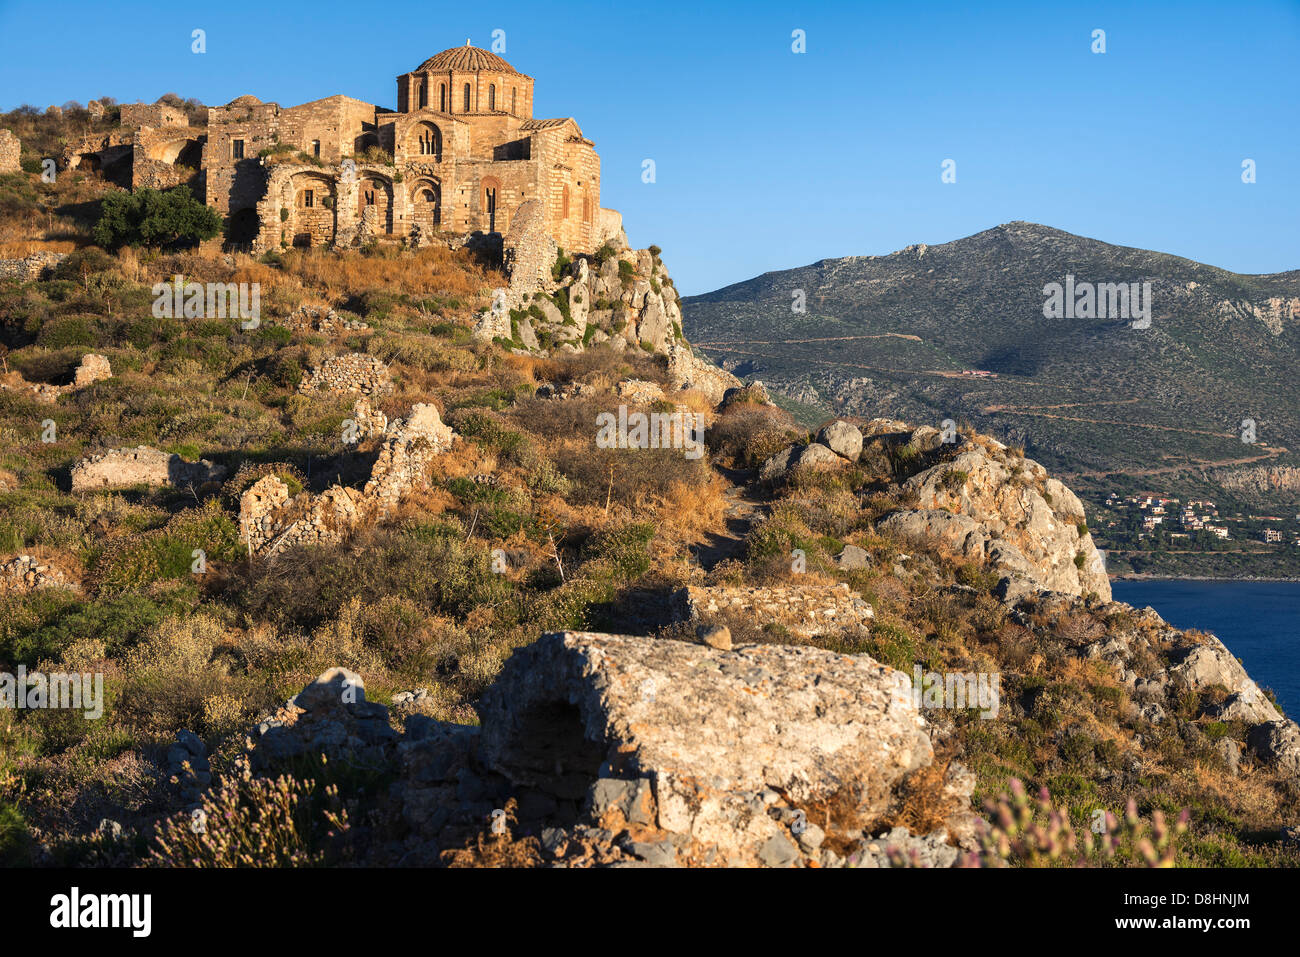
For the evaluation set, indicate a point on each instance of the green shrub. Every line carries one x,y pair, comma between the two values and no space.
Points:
148,217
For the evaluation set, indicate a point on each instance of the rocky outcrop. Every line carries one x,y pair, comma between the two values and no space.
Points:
988,504
621,297
1161,667
614,750
1263,480
271,521
686,370
142,465
1274,312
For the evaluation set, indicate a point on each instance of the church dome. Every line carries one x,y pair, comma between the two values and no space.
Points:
466,58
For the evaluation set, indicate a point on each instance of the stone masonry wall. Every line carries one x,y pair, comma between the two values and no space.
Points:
10,148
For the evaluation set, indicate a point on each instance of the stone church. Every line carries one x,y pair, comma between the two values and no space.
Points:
461,153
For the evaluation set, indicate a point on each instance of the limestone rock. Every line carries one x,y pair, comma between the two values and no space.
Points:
1277,742
711,731
853,557
1023,523
715,636
842,439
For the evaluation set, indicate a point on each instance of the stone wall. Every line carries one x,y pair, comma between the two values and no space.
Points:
10,149
153,114
806,611
121,468
38,265
354,372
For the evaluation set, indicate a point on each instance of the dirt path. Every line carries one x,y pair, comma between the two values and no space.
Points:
745,506
1269,453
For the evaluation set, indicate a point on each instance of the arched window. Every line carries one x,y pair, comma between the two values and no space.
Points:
513,91
424,93
492,97
564,203
428,140
427,199
442,97
466,97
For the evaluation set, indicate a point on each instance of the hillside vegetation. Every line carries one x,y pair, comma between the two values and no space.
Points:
596,539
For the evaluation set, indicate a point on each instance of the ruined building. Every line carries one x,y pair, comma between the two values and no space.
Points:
461,153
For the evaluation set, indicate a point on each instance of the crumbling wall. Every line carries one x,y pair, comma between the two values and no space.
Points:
354,372
10,150
270,521
142,465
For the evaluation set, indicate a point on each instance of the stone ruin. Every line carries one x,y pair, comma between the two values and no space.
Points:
38,265
142,465
10,150
367,419
25,573
91,369
325,321
354,372
805,611
271,521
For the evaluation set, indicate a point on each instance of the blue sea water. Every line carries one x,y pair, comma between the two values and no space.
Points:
1258,621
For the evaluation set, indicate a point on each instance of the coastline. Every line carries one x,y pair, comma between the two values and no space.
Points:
1197,578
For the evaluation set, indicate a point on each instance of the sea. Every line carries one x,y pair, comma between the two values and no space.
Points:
1259,621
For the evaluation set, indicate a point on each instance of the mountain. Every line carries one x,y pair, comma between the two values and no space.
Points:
893,334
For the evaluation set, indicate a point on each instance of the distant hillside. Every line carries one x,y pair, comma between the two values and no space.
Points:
891,335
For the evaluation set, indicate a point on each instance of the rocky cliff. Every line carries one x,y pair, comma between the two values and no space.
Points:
621,296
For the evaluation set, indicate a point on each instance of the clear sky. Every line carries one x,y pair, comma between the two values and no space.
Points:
766,158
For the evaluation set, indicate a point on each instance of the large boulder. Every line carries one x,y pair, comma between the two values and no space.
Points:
842,438
1278,743
706,740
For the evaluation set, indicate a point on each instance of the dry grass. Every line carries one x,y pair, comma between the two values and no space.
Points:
692,509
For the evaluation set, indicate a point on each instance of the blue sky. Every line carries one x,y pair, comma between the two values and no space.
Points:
767,159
